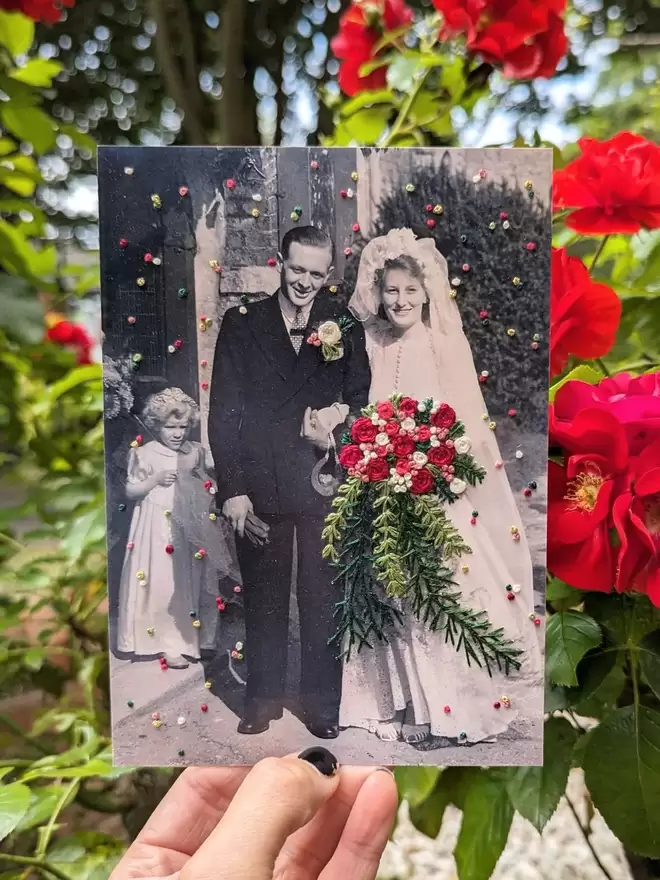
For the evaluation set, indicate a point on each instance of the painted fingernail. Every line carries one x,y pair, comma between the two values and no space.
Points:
324,761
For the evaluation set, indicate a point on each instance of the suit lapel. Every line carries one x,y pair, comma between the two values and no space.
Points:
270,333
310,357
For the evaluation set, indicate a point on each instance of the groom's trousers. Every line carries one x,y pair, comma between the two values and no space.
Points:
266,572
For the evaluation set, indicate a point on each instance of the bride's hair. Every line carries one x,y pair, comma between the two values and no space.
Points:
407,264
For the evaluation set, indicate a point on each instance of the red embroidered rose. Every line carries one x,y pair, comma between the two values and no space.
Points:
392,429
360,29
580,496
349,456
74,336
377,470
524,37
385,410
422,481
634,400
381,451
443,417
614,185
48,11
408,407
363,430
441,456
637,522
423,433
403,446
402,467
584,315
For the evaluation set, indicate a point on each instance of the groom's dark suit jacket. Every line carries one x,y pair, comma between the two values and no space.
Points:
259,392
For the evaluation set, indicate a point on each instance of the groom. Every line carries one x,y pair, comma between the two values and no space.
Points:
266,436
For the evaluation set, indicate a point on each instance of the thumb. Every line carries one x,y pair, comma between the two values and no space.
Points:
278,796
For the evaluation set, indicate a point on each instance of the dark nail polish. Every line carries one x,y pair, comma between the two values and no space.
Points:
324,761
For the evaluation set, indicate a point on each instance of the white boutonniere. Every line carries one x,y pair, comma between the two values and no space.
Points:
329,338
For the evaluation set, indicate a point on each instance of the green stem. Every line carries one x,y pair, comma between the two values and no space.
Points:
601,364
405,109
17,762
44,839
585,834
7,539
38,864
599,251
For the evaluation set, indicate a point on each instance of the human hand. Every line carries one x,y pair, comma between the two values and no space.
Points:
281,819
165,477
236,510
313,429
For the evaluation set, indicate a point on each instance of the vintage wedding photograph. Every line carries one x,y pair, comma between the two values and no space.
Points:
325,383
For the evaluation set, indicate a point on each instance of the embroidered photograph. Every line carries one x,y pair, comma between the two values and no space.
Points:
326,379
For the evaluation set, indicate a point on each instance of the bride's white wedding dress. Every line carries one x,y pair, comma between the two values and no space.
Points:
418,667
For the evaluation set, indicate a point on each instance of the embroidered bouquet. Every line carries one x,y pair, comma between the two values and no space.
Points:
389,537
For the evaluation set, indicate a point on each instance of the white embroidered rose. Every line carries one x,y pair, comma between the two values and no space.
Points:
458,486
419,458
329,333
462,445
382,439
408,424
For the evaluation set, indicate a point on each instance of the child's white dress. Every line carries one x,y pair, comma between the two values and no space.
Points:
167,596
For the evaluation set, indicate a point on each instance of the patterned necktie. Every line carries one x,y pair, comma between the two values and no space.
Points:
297,330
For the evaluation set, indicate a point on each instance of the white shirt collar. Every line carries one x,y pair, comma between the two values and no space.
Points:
289,310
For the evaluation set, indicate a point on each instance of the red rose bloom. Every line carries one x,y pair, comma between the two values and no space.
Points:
422,481
441,456
634,400
392,429
614,185
48,11
363,430
460,17
385,410
402,467
377,470
637,522
360,28
585,315
381,451
403,446
423,433
443,417
349,456
74,336
408,407
580,496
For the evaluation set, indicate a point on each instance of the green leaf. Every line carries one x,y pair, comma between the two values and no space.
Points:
367,99
569,635
34,658
416,783
602,679
16,32
31,125
427,816
7,146
625,619
401,73
556,697
91,768
363,127
487,818
622,772
37,72
562,595
43,801
535,791
649,660
14,803
453,78
581,373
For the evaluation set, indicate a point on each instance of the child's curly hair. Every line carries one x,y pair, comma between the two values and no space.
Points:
171,402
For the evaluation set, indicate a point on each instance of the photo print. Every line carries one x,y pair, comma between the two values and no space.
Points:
325,376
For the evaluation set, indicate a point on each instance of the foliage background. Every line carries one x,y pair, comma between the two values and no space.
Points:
231,72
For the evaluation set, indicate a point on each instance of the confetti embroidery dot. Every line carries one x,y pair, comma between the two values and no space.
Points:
128,170
130,704
123,243
183,191
156,201
204,707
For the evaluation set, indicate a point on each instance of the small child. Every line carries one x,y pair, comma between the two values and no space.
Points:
177,548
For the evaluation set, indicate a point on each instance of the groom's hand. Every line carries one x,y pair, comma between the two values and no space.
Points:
236,511
314,430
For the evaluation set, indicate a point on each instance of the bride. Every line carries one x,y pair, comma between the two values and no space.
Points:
416,684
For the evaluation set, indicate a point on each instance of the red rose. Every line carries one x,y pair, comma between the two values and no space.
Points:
48,11
349,456
580,497
633,400
363,430
460,17
392,429
377,470
385,410
614,185
402,467
74,336
422,481
381,451
441,456
408,407
585,315
360,28
443,417
637,522
423,433
403,446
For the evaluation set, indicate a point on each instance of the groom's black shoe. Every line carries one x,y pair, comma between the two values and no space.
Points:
322,728
258,720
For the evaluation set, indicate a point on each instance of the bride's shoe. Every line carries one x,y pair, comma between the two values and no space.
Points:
386,731
415,733
176,661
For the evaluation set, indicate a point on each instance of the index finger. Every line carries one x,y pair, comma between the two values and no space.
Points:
181,823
